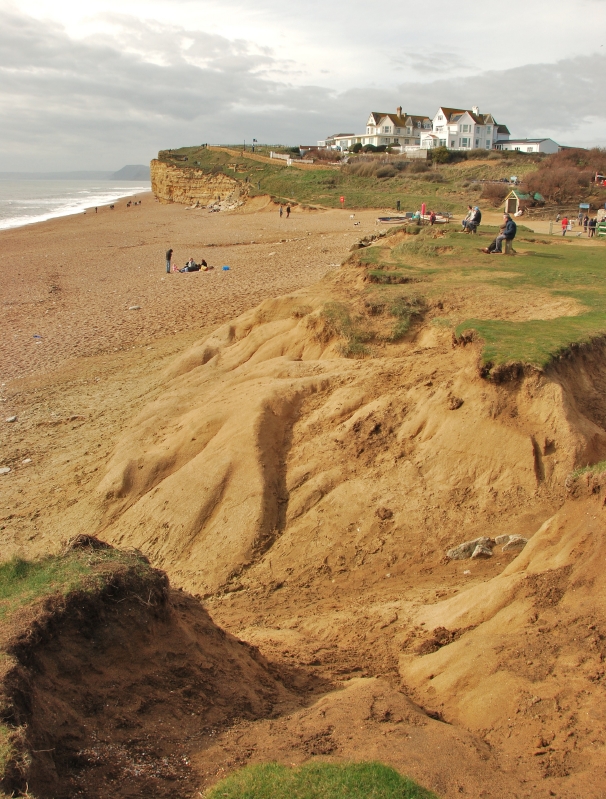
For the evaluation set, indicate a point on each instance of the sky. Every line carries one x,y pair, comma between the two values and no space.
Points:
97,84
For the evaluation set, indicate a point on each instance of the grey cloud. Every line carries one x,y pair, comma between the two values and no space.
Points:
108,100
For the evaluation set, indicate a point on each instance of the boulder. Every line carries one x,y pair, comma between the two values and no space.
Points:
501,539
515,543
466,550
482,551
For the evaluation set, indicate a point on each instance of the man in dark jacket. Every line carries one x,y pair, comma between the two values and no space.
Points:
508,233
169,255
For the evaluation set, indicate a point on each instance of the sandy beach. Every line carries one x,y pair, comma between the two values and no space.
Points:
68,283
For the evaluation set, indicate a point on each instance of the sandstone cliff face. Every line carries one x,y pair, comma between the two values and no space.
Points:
172,184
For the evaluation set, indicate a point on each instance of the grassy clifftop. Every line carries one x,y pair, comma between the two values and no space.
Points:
444,187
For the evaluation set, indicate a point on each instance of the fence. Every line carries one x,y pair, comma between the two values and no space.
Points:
289,159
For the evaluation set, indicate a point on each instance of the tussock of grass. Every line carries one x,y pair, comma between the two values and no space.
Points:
405,310
318,781
597,468
341,323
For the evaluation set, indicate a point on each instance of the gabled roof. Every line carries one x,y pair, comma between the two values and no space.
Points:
503,129
454,114
377,116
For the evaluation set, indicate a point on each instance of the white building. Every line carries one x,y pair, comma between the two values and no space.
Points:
454,128
530,145
462,129
390,130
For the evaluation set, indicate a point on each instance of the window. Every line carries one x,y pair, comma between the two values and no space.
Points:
440,118
529,149
396,141
452,144
397,130
464,142
487,128
442,142
409,131
518,149
488,145
477,142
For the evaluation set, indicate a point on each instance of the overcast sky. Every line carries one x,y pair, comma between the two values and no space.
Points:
96,84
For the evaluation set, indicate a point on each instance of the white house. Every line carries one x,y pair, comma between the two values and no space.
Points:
392,130
461,129
455,128
530,145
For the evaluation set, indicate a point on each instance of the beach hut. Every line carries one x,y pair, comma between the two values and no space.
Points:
517,199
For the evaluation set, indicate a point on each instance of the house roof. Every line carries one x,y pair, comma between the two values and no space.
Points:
529,141
454,114
503,129
399,122
340,135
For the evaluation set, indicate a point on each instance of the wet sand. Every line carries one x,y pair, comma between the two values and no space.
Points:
68,283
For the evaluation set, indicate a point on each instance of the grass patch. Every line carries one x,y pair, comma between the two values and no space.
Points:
406,310
563,270
340,322
318,781
25,582
597,468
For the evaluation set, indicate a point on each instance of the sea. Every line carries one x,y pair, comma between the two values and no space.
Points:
23,202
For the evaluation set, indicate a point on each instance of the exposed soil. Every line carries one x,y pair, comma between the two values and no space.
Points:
308,499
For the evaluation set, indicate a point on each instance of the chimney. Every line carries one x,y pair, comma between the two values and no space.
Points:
399,110
476,110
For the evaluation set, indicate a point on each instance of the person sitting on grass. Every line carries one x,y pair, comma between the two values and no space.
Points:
472,224
508,233
467,219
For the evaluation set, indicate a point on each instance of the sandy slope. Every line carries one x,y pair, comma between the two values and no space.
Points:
311,499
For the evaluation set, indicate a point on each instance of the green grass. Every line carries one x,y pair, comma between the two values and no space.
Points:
597,468
318,781
352,330
324,187
24,582
562,269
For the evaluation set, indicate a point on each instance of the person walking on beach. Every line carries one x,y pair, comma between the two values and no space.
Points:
287,211
281,212
591,226
169,255
564,225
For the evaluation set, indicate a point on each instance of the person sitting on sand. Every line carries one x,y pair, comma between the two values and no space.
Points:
190,266
507,233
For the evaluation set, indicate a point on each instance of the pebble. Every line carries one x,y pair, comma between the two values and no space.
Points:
26,461
134,308
5,469
11,418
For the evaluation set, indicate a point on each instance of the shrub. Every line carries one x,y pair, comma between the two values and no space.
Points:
441,155
559,184
369,148
356,148
401,166
435,177
386,172
419,166
495,193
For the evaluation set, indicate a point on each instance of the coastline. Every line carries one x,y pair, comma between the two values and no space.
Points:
70,205
69,283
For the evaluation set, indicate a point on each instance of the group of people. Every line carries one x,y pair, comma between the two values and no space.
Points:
287,211
588,224
472,219
190,266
